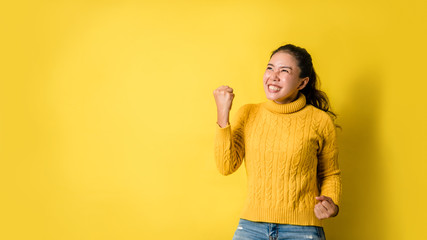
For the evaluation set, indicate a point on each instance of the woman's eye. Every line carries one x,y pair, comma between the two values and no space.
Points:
284,70
269,68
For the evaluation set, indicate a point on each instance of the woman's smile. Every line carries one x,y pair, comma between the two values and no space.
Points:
273,89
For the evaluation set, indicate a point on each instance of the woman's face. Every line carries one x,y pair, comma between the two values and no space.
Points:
281,78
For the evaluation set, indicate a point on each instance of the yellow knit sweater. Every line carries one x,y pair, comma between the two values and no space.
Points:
290,154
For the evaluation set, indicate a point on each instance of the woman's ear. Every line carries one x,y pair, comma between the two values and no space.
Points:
303,83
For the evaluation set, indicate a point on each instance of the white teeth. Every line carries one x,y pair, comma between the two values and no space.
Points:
274,88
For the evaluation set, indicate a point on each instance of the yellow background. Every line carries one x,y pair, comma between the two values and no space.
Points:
107,116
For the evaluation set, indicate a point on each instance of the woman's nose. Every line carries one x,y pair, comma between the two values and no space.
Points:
274,76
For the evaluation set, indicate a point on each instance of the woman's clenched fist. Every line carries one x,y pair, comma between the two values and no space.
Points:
325,208
224,100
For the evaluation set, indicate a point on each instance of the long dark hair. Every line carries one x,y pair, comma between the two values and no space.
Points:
313,94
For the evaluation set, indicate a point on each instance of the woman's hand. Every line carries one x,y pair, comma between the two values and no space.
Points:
224,99
325,208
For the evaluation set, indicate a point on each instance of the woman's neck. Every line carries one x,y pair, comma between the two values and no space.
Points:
286,108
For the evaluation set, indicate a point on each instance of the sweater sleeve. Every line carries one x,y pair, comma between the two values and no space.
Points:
328,171
229,145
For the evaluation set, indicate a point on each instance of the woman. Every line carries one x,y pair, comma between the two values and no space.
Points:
290,151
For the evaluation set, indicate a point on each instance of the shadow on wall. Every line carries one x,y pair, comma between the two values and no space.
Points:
362,212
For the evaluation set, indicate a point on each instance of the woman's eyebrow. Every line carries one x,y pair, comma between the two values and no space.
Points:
280,67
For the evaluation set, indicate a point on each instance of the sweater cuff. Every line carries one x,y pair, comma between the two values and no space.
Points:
223,132
219,127
334,196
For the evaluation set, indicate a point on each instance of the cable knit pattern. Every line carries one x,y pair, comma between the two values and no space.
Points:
290,154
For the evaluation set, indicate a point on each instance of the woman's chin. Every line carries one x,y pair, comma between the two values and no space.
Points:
271,96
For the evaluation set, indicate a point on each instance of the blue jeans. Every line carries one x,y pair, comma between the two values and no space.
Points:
249,230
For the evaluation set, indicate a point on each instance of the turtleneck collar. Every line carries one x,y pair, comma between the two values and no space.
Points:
291,107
